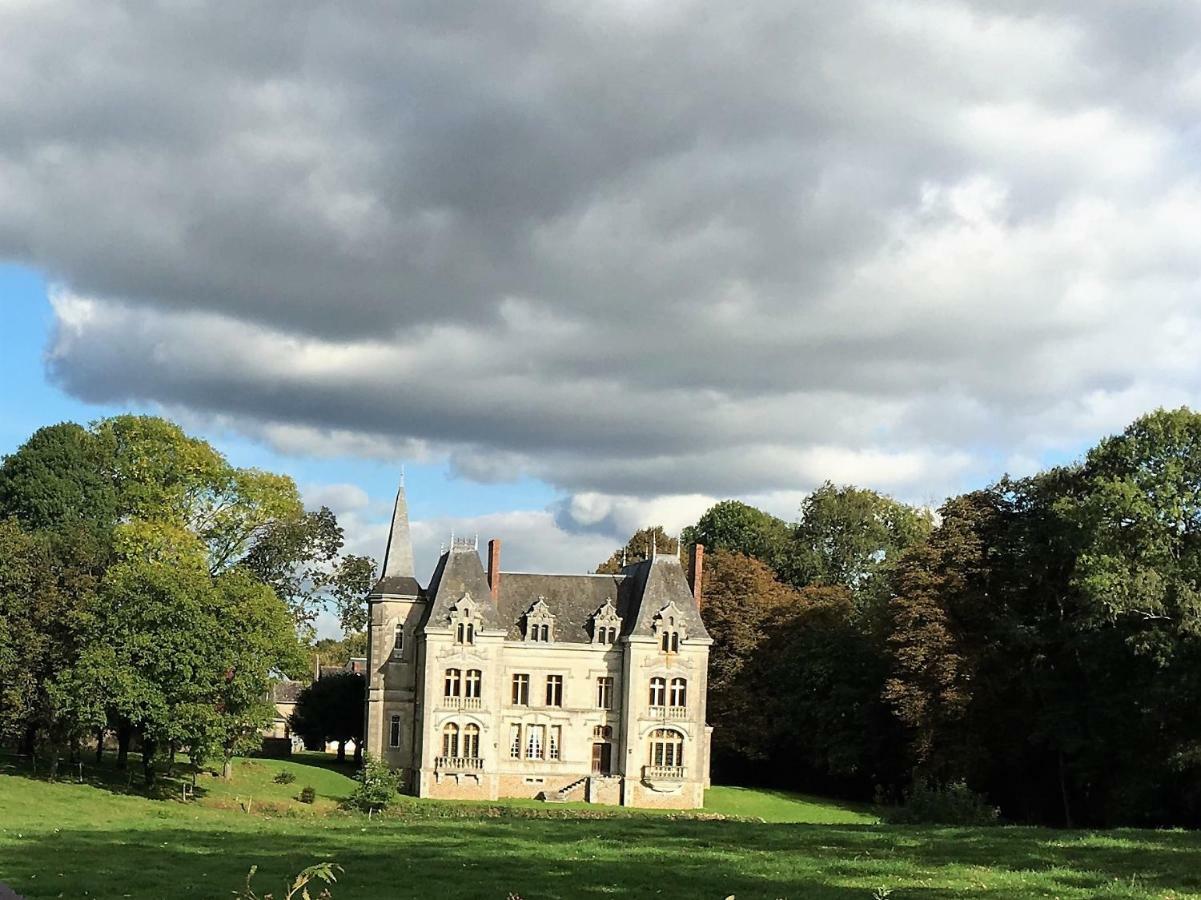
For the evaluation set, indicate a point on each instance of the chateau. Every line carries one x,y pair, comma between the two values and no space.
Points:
489,684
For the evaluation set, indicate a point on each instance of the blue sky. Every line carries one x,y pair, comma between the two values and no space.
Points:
591,282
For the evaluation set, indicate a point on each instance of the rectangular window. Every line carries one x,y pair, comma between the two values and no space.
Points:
554,690
556,740
604,692
521,690
394,735
515,741
535,737
473,684
398,643
451,685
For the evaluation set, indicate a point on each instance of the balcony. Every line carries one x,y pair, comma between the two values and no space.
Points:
458,764
669,713
462,703
651,774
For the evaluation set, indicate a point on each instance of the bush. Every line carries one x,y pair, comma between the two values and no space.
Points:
284,777
378,786
307,795
951,804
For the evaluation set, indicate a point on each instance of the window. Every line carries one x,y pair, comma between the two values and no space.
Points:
472,685
471,741
535,735
394,734
453,679
658,692
556,740
515,741
465,633
554,690
521,690
602,731
604,692
450,740
398,643
539,623
605,623
667,748
679,692
671,642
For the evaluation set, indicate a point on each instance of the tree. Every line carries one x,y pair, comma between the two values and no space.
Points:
332,709
741,598
299,558
851,536
58,479
638,548
740,528
339,651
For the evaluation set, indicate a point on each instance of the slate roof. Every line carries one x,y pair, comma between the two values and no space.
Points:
286,691
397,586
638,593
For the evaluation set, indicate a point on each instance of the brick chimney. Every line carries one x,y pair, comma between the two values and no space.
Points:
696,567
494,567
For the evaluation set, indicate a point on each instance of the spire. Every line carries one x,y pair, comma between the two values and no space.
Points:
398,559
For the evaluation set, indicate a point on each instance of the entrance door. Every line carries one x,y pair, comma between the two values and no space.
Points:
602,758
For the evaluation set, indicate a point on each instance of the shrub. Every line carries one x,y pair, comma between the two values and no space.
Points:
299,888
950,804
378,786
308,794
285,777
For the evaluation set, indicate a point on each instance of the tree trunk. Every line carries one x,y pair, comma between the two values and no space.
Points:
148,763
53,774
341,751
28,739
124,736
171,760
227,768
99,746
358,752
1063,793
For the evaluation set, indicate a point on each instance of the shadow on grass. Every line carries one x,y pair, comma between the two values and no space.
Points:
629,858
130,781
318,760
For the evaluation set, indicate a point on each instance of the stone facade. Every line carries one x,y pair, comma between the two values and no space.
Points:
490,684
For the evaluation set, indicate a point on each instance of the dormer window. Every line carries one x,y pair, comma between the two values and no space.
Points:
606,624
464,620
669,628
539,623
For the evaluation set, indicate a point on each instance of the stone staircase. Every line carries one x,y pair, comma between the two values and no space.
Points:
563,794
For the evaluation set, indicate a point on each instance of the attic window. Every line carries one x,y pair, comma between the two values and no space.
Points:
464,620
539,623
669,628
606,624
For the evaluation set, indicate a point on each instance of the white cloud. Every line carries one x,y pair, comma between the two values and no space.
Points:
652,256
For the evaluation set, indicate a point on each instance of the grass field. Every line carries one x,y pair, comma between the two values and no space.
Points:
97,839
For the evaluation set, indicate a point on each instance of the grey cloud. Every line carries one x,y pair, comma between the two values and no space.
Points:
672,249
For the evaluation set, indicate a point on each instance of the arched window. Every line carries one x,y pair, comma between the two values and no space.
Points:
667,748
670,642
679,692
465,633
658,692
545,633
472,684
453,681
471,741
450,740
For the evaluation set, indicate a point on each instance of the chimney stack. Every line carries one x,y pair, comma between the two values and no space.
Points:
494,567
696,566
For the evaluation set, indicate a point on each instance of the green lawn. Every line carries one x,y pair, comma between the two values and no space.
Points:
97,840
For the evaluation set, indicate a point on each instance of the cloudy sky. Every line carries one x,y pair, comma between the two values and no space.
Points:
585,266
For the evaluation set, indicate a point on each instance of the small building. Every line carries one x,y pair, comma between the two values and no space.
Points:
489,684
